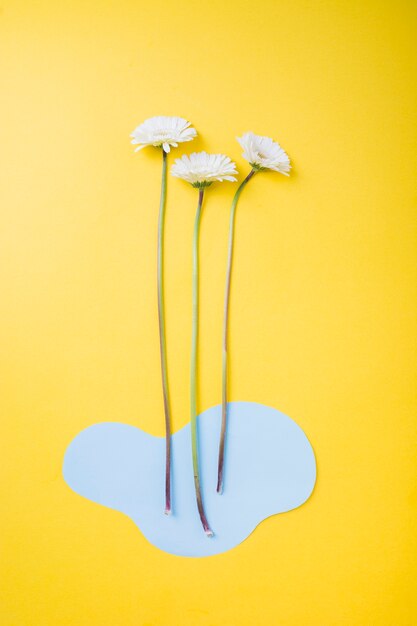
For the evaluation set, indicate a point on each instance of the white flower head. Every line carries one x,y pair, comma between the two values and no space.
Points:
264,154
163,132
201,169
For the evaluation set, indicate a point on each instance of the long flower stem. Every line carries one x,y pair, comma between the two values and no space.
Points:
162,338
220,471
193,383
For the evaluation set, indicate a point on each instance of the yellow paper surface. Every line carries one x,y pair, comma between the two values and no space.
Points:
322,310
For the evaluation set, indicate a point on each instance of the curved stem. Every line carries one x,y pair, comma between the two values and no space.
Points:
162,338
220,470
193,383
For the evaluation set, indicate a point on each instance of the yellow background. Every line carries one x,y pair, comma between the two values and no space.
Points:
323,301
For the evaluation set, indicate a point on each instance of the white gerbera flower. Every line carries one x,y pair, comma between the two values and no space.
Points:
264,154
201,169
163,132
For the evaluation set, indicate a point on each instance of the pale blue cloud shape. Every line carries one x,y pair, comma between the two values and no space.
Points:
270,468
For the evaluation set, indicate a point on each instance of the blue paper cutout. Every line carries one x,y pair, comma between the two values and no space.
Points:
270,468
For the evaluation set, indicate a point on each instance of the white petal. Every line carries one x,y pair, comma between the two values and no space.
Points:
163,130
200,167
264,152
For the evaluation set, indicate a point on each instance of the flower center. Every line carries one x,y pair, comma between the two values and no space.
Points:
164,133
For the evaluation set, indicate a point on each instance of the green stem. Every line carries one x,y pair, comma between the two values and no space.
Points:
162,338
193,383
220,470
